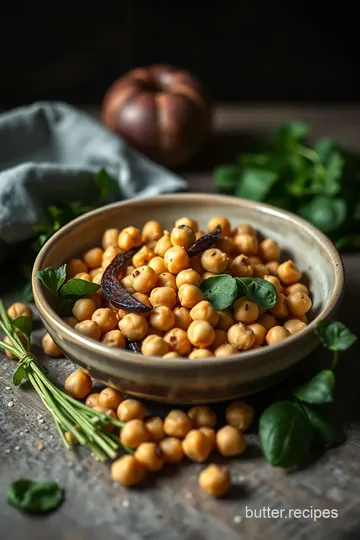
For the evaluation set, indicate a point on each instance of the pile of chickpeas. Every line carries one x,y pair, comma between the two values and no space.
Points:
156,442
163,277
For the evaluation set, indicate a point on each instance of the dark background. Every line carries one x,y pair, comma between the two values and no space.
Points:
244,50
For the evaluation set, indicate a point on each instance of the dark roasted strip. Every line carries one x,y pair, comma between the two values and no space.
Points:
133,346
205,242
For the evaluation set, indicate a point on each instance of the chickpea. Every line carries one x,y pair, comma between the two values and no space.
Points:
162,318
110,254
163,296
302,318
93,258
274,281
171,449
89,328
176,259
182,317
154,346
297,287
196,446
245,228
245,310
188,277
254,259
182,236
201,334
133,433
130,409
70,438
215,261
83,276
224,224
155,426
240,336
272,267
211,435
288,273
149,455
220,339
187,221
78,384
178,341
49,347
267,321
75,266
152,230
200,353
276,334
269,250
106,319
110,238
127,470
202,416
127,282
280,310
133,326
144,299
189,295
92,400
230,441
166,280
19,310
206,275
241,267
226,245
171,354
246,243
129,238
177,424
97,298
225,350
110,398
121,314
144,279
199,234
97,279
158,265
294,326
239,415
215,480
163,245
260,270
195,264
259,333
204,311
83,309
71,321
299,303
143,256
225,320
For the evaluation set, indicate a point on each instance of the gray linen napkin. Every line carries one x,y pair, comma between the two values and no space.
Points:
50,151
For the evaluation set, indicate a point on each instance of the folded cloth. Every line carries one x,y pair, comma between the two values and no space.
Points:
49,152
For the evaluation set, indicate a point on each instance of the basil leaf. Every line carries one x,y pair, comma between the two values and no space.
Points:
24,324
19,375
325,213
78,287
260,291
226,177
326,432
32,496
290,134
52,278
324,148
255,184
285,434
107,185
319,389
219,290
335,335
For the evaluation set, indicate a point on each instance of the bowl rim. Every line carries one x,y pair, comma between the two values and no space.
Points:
112,354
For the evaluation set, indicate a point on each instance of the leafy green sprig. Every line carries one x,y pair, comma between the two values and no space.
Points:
34,497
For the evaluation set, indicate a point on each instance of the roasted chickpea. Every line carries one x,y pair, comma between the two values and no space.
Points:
127,470
171,450
274,281
245,310
247,244
163,245
163,296
93,258
215,480
152,230
267,321
245,228
144,279
254,259
224,224
158,265
302,318
182,317
110,398
49,346
155,426
220,339
89,328
154,346
97,298
225,320
297,287
276,334
199,234
129,238
130,409
288,273
215,261
196,446
272,267
110,238
176,259
260,271
239,415
110,254
241,267
71,321
269,250
187,221
299,303
70,438
259,333
206,275
106,319
75,266
143,256
171,354
226,245
133,326
200,353
201,334
241,337
144,299
83,309
83,276
189,295
280,310
230,441
188,277
92,400
162,318
166,280
127,282
225,350
177,424
149,455
78,384
178,341
202,416
97,279
211,435
204,311
294,326
19,310
182,236
133,433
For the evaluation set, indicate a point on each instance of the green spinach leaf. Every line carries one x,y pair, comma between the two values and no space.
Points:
52,278
78,287
260,291
220,290
32,496
319,389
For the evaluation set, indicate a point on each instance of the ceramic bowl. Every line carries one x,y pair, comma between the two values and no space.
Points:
209,379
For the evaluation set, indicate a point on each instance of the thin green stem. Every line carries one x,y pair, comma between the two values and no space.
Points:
334,360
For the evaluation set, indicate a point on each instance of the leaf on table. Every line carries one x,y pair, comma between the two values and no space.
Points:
255,184
32,496
335,335
325,213
327,433
19,375
219,290
319,389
